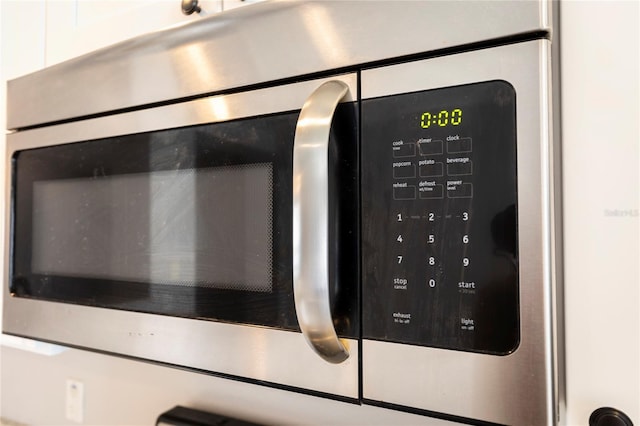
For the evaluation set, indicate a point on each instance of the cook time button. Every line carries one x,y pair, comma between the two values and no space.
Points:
403,150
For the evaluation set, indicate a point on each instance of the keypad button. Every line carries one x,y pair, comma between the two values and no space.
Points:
434,169
459,145
430,147
460,169
404,150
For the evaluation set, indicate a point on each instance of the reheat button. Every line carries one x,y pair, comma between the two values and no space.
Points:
404,192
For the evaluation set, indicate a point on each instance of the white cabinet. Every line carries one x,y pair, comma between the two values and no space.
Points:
40,33
77,27
22,40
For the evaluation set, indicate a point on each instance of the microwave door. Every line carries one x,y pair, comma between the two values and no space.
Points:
166,234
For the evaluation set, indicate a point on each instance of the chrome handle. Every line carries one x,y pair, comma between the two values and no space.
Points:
311,221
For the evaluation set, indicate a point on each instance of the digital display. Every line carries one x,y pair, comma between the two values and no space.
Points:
441,118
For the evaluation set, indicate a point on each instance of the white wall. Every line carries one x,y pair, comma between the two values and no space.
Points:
21,51
20,27
600,44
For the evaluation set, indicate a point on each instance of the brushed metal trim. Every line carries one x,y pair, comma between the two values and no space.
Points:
256,353
311,221
248,46
211,109
519,388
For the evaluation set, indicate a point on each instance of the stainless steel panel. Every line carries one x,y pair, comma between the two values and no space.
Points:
519,388
211,109
262,43
253,352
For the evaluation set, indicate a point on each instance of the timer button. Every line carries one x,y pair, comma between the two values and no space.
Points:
430,147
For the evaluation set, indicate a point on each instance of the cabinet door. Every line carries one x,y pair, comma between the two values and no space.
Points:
77,27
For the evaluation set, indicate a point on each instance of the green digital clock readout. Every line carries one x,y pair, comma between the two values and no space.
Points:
441,119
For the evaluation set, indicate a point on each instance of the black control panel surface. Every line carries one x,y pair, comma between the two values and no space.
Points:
439,231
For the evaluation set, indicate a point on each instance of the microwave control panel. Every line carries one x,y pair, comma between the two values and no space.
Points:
439,218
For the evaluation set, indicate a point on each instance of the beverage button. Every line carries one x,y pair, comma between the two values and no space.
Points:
460,168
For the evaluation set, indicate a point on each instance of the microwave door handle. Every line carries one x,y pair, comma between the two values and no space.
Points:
311,222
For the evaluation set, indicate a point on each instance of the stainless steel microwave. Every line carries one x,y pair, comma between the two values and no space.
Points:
374,225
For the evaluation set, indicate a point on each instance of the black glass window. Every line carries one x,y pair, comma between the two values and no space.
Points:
190,222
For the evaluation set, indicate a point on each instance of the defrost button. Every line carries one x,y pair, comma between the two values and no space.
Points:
431,190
